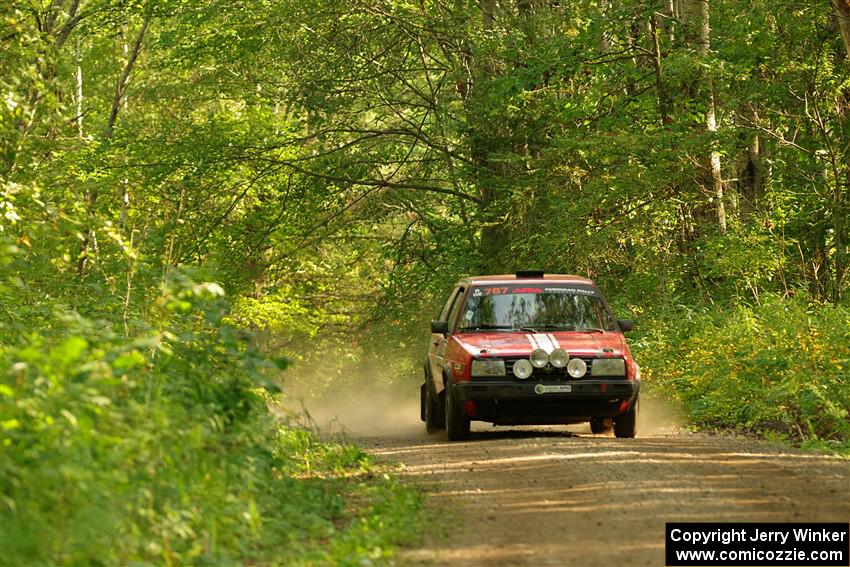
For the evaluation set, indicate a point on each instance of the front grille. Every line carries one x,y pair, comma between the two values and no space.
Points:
548,373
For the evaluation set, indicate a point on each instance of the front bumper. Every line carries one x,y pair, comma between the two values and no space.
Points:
522,403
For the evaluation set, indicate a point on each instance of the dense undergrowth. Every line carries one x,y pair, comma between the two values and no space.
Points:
159,448
780,369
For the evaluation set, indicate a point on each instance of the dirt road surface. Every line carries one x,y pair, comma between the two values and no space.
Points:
562,496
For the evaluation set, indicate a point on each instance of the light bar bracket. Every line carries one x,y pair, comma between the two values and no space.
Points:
529,274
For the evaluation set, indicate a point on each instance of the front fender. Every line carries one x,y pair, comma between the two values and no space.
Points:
448,377
429,379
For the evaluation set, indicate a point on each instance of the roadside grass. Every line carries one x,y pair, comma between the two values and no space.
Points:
362,513
779,370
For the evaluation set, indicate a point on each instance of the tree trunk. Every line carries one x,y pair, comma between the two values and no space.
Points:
120,90
633,41
79,97
664,105
121,87
605,38
750,170
124,190
716,170
493,240
672,16
842,15
488,9
841,227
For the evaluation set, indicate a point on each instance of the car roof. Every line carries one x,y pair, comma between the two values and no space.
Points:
511,278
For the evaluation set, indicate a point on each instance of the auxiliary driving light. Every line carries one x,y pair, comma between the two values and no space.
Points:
576,367
523,369
559,358
539,358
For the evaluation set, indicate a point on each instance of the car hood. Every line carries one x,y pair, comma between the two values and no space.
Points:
521,344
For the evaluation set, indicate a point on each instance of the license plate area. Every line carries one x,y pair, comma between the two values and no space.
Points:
553,389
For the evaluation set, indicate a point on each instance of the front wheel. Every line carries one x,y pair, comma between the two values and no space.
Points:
625,425
457,423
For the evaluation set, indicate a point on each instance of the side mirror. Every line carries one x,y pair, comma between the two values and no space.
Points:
441,327
626,325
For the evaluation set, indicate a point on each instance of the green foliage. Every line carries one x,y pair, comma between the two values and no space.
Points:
163,442
780,367
742,263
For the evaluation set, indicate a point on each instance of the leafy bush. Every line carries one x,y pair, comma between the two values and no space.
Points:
160,449
781,367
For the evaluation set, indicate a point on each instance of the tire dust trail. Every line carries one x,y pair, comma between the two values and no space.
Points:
562,496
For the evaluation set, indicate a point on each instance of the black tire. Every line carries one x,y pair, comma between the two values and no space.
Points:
457,423
433,417
600,425
625,425
423,400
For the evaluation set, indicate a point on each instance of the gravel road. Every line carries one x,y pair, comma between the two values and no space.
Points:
562,496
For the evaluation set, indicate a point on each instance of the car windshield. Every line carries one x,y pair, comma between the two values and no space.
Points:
535,309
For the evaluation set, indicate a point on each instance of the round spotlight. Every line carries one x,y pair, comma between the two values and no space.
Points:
539,358
523,369
559,358
576,367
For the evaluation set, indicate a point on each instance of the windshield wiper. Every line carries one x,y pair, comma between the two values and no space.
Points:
552,327
487,328
529,329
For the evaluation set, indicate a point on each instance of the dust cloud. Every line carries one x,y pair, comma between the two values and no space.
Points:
369,408
658,416
373,414
366,400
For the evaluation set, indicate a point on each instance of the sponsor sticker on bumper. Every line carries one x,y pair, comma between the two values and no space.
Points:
553,389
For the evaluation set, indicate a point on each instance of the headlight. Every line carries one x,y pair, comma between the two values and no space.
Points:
608,367
488,367
539,358
522,369
559,358
576,367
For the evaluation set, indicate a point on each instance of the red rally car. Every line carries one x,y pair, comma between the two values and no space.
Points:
529,349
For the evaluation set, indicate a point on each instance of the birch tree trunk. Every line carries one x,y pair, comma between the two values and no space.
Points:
124,190
696,15
79,97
